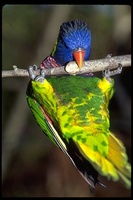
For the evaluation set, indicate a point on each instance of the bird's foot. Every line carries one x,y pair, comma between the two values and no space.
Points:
107,72
109,55
35,77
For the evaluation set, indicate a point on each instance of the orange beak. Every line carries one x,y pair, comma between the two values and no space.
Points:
79,57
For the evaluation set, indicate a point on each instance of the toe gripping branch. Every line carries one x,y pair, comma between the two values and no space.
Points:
107,72
34,77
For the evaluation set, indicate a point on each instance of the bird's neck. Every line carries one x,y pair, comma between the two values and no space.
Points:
49,62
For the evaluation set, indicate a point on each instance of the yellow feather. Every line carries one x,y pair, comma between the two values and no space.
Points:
99,162
117,155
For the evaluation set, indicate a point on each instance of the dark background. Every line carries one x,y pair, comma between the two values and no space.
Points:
31,165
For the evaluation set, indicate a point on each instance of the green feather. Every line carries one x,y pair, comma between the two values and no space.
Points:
77,109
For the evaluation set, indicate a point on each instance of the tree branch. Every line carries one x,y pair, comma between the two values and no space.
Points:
72,68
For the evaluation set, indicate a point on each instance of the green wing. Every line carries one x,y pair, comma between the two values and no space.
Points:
43,120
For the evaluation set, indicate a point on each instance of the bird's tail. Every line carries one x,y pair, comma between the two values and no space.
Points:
84,167
114,165
118,156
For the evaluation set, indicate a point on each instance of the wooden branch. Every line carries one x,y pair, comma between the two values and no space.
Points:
72,68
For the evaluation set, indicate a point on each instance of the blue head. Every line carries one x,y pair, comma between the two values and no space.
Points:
74,36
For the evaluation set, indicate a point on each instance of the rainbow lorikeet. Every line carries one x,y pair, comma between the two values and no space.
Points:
73,110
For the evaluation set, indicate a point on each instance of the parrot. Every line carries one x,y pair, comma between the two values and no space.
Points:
73,110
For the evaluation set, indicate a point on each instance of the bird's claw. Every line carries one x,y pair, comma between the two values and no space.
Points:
107,72
40,77
109,55
34,77
31,71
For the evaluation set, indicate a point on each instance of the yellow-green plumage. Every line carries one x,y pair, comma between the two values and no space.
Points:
77,107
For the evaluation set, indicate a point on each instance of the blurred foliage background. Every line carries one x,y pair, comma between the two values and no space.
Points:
31,165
